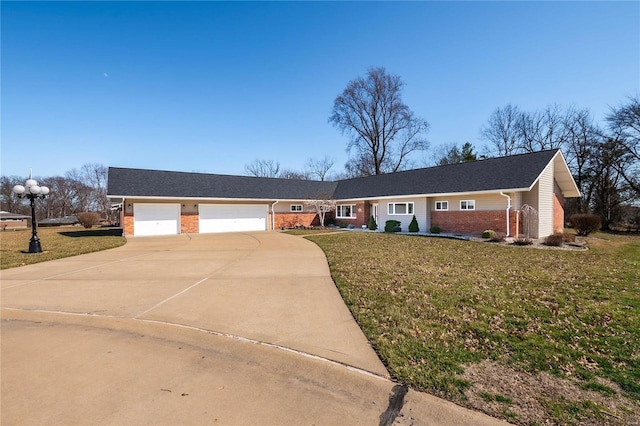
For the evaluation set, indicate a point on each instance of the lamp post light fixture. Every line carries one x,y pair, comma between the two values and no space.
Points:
32,191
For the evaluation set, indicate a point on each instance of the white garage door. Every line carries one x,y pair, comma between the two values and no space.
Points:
156,219
232,217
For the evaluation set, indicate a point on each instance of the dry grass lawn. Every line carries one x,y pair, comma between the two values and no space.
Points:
528,335
57,242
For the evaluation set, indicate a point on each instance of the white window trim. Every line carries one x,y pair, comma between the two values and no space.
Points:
441,209
353,211
294,208
391,211
467,207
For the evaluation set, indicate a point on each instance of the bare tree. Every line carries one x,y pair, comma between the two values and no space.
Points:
502,131
293,174
9,201
263,168
95,176
543,130
322,204
624,123
384,132
584,141
319,167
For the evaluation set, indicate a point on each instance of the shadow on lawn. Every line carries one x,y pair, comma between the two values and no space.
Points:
104,232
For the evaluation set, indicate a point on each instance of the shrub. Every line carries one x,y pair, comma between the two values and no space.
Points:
372,224
497,237
88,219
585,223
554,240
569,238
522,240
413,226
488,233
392,226
435,230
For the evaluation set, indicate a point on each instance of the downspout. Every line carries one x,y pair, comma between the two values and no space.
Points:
508,208
273,215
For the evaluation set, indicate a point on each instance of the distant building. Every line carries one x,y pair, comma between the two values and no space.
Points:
13,220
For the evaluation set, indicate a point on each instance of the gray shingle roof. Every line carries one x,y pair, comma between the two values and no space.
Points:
517,171
156,183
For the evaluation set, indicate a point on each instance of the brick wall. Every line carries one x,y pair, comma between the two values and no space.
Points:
474,222
127,224
558,213
363,213
293,219
189,223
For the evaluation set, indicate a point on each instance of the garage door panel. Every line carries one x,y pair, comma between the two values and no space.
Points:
232,217
156,219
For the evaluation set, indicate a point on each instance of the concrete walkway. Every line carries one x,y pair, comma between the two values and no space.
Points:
243,328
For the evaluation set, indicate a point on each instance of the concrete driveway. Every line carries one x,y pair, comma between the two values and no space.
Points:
243,328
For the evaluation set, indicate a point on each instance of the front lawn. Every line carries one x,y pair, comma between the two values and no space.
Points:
528,335
56,243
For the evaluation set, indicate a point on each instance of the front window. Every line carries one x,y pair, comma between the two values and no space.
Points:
467,205
442,205
400,208
296,207
346,211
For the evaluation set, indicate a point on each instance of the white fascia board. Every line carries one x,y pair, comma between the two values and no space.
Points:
433,195
146,197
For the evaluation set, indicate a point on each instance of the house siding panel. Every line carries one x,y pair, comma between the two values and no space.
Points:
545,202
419,210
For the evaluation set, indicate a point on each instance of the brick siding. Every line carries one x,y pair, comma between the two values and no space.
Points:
558,213
293,219
127,224
189,223
474,222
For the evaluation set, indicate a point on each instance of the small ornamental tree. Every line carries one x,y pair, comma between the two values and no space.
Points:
413,226
322,204
372,224
88,219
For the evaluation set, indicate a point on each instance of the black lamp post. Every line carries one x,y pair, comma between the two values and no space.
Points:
31,190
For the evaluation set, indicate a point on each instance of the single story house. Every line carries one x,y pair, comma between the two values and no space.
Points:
10,220
465,198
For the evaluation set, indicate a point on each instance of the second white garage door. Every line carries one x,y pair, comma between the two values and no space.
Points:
232,217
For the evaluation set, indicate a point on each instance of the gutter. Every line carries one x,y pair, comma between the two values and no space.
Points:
273,215
508,208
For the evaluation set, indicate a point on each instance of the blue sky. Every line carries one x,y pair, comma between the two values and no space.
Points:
211,86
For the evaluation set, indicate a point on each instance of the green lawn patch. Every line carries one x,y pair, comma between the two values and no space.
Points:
56,243
433,307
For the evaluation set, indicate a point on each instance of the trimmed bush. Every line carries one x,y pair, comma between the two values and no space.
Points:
554,240
585,223
392,226
488,233
569,238
522,240
435,230
413,226
88,219
497,237
372,224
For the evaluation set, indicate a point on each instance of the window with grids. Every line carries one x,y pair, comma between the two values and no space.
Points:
467,204
400,208
296,207
442,205
346,211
